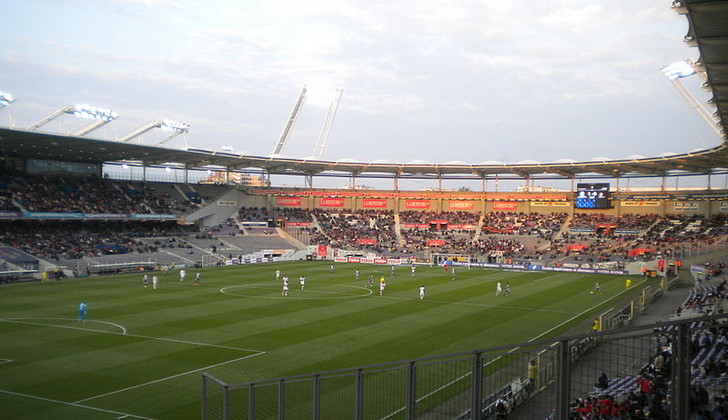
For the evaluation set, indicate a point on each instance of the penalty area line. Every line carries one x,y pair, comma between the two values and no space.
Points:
77,405
179,375
40,324
124,333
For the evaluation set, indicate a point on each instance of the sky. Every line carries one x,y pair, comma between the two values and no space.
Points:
460,81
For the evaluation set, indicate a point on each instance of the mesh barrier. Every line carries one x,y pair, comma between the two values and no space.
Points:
667,370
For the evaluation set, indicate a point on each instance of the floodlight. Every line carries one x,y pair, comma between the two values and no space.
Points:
6,99
100,115
94,113
177,126
678,70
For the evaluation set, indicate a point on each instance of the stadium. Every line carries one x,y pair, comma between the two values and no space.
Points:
127,292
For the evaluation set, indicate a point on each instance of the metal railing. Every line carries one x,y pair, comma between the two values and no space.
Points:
534,379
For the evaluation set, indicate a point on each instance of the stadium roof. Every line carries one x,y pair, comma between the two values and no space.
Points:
708,31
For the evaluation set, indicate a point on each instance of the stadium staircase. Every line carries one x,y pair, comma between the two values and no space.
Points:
182,193
479,228
290,239
398,230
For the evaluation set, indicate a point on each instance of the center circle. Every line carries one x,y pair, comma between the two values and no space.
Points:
270,291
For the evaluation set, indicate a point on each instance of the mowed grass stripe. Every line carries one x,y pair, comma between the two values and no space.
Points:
299,334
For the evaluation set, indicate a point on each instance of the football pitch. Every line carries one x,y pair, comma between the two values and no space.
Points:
141,352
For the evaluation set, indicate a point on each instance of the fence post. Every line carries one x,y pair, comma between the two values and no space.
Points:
203,406
316,414
411,396
563,380
476,387
281,400
225,403
359,397
251,402
681,373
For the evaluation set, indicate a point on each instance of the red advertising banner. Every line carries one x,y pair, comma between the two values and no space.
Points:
461,227
288,201
415,226
364,241
322,250
435,242
505,205
331,202
374,203
461,205
417,204
298,224
418,194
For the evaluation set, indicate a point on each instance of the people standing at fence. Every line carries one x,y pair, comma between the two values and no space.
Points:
532,375
501,408
595,325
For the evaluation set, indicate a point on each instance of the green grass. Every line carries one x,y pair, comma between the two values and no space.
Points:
143,351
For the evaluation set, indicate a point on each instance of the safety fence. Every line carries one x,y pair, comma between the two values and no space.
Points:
531,380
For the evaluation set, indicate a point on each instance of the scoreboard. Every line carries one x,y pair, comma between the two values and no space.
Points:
592,196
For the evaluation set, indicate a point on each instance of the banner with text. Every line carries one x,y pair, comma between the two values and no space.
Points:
374,203
461,205
289,201
298,224
639,203
417,204
549,204
505,205
331,202
684,206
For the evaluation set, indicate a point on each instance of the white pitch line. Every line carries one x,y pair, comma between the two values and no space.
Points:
23,321
124,333
509,351
87,407
195,343
169,377
483,305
